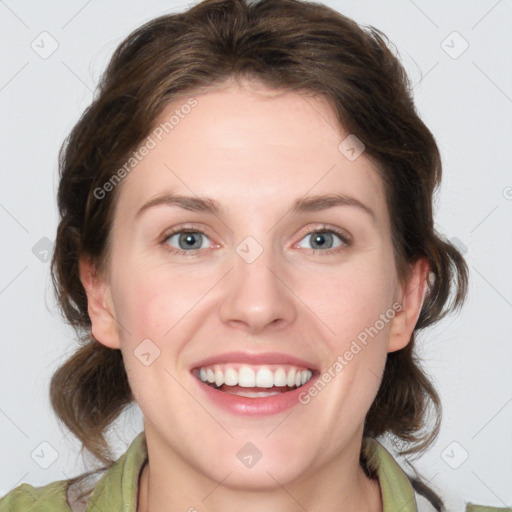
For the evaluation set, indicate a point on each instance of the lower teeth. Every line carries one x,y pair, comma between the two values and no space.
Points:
250,392
253,394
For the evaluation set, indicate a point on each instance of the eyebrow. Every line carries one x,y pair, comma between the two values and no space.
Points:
323,202
193,204
301,205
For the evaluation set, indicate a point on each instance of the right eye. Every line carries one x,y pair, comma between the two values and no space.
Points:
188,241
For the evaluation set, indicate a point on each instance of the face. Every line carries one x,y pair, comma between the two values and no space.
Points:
273,282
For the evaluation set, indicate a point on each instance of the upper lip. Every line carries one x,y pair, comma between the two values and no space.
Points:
253,358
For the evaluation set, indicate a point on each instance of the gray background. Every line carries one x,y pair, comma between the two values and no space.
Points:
463,94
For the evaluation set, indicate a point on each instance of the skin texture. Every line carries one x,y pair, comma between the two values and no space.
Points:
255,151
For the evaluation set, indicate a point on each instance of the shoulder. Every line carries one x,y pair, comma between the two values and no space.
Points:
424,504
109,488
470,507
27,498
401,491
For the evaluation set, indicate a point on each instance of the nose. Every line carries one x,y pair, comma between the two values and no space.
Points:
257,296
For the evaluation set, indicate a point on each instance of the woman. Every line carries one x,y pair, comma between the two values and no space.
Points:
247,250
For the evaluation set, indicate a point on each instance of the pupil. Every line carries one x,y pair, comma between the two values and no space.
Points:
321,239
189,240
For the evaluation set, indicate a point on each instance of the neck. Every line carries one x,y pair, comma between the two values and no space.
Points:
329,489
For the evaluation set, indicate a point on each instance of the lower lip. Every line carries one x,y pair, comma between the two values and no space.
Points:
260,406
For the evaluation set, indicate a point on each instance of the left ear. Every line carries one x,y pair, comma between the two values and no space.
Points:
412,297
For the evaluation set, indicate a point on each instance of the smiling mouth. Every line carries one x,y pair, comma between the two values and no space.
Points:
253,381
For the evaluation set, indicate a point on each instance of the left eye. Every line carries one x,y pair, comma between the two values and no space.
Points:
191,240
324,240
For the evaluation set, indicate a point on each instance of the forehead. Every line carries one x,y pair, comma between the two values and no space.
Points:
248,145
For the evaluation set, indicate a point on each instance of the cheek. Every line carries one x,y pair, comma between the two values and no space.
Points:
352,300
147,308
356,307
150,301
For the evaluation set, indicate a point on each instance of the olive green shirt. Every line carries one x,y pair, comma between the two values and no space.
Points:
117,488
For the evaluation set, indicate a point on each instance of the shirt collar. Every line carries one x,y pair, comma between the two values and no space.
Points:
395,487
118,487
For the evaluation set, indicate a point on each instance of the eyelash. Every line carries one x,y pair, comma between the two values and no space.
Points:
181,252
345,239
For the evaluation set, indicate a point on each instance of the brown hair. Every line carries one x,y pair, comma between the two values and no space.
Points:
289,45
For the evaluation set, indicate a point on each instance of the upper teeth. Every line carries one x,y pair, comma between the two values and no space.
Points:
254,376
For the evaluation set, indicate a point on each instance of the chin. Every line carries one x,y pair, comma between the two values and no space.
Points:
261,479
